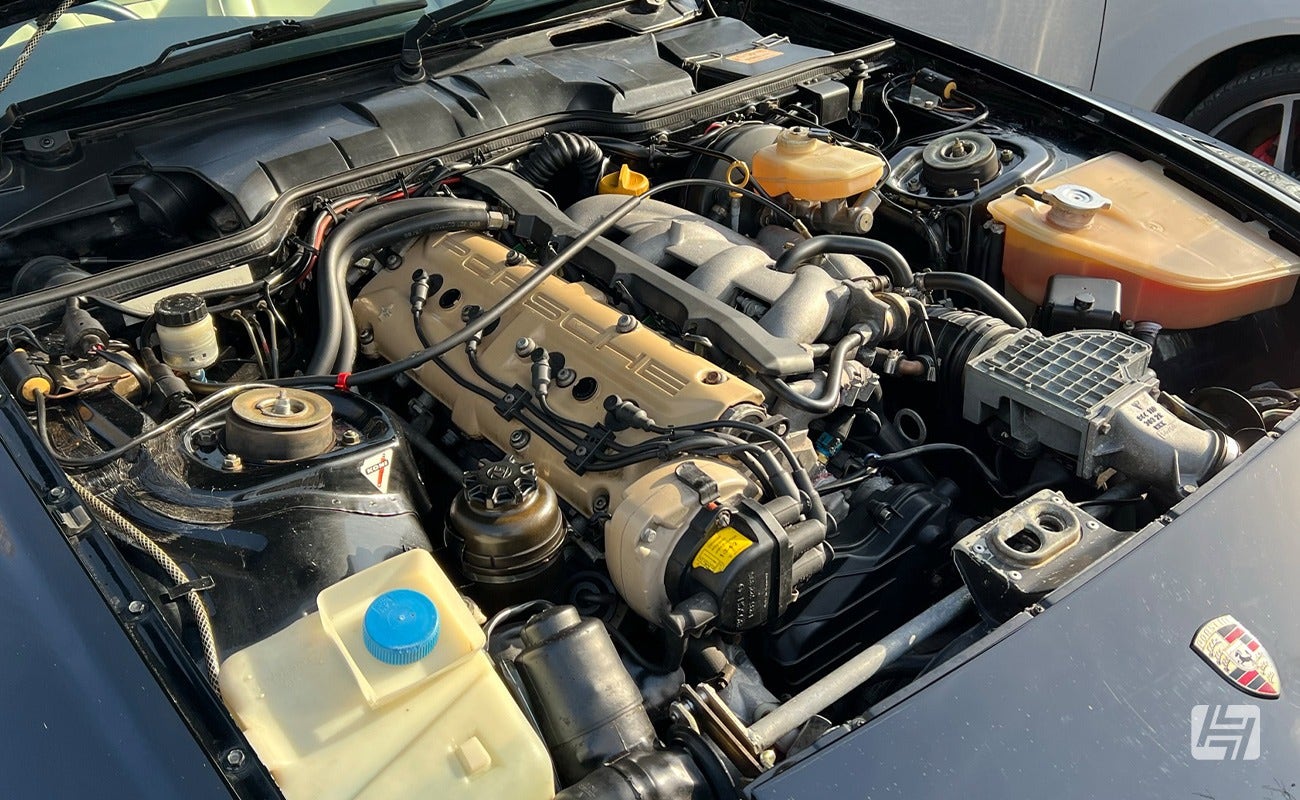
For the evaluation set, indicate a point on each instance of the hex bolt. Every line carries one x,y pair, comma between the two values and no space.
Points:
351,436
626,323
714,377
136,606
232,462
648,536
514,258
524,347
55,495
205,439
1007,156
235,758
519,438
600,503
565,378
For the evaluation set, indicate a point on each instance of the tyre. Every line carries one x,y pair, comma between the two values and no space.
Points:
1258,112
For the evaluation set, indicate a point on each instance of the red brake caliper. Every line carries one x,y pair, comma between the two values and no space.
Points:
1267,150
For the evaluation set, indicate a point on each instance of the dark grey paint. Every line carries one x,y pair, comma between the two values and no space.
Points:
1092,698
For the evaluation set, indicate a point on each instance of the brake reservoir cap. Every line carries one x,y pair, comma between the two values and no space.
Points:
1072,206
401,627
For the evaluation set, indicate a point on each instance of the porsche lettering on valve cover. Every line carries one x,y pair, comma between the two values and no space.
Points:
626,400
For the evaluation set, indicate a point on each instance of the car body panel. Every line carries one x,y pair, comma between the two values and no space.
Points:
1133,51
1056,39
1093,698
83,715
1147,48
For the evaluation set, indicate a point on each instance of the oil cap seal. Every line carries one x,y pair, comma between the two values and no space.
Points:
401,627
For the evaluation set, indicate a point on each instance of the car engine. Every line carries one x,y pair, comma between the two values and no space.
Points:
603,463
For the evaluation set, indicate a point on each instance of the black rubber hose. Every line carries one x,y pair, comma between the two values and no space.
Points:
829,398
395,233
339,253
986,295
559,151
900,272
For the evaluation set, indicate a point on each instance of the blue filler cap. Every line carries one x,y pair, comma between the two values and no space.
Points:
401,627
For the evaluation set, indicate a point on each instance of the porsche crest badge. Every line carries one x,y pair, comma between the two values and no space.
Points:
1235,652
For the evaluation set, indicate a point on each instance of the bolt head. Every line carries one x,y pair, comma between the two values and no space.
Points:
235,758
232,462
713,377
56,494
136,606
351,436
524,346
1014,575
1007,156
626,323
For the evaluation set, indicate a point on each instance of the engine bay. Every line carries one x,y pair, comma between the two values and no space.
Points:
629,460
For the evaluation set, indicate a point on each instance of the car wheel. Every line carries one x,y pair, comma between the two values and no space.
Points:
1258,112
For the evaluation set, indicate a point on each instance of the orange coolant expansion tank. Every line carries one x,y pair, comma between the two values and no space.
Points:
1182,261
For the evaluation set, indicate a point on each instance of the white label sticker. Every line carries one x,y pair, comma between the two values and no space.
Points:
377,467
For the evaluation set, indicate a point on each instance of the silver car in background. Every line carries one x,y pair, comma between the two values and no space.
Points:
1230,69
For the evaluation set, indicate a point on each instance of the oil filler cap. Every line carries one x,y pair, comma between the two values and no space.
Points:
400,627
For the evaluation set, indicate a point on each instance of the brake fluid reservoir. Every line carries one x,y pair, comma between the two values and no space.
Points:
810,169
385,692
1182,261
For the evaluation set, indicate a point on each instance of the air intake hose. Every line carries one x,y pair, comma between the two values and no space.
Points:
560,151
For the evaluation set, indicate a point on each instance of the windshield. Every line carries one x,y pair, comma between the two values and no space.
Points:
125,34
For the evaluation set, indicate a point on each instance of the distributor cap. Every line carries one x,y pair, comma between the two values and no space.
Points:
501,484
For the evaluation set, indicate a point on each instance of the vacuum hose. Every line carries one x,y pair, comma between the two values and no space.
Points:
986,295
900,272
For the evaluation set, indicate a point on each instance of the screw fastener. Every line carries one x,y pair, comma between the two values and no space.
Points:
235,758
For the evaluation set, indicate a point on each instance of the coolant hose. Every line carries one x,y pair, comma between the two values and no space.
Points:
986,295
561,150
829,399
336,341
900,272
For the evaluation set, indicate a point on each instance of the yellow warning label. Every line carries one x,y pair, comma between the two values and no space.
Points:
720,550
754,56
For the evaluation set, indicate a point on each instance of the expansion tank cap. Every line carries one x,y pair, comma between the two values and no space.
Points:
401,627
1072,206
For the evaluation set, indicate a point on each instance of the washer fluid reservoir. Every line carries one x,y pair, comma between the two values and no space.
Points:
385,692
813,170
1182,261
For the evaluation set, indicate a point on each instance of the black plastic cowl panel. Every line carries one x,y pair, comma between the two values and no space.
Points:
255,160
